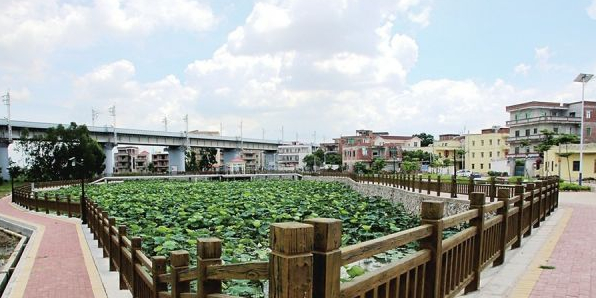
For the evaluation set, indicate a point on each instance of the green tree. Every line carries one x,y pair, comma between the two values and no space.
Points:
378,165
191,161
410,166
417,155
207,159
151,168
48,157
333,158
359,167
427,139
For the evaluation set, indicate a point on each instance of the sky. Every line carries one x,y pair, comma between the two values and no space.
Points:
330,67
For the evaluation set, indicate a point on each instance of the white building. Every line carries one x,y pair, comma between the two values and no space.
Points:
290,156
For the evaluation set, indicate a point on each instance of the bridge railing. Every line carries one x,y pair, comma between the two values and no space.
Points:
306,258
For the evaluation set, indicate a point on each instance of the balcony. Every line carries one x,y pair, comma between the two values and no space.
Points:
544,119
531,138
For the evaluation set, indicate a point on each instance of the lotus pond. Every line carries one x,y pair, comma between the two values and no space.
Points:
172,215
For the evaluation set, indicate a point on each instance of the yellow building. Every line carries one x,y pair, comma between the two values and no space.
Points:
487,151
564,161
446,146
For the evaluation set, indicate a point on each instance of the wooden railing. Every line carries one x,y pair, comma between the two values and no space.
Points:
306,258
416,183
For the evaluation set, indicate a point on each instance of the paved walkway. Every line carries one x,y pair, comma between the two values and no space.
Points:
58,263
566,241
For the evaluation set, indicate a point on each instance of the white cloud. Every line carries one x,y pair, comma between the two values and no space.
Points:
30,30
522,68
592,10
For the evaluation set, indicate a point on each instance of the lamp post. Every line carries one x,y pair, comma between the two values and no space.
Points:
82,201
582,78
454,179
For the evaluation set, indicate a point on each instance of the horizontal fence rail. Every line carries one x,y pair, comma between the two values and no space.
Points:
306,258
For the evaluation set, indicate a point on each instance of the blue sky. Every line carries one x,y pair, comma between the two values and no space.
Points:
333,67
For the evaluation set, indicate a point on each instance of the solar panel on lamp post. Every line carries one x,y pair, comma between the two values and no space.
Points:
582,78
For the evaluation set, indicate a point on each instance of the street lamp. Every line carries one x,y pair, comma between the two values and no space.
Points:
582,78
82,201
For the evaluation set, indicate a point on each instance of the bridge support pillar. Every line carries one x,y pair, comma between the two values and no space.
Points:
177,158
4,160
109,161
270,160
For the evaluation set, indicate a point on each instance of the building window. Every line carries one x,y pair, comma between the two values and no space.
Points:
473,166
527,132
481,166
498,142
415,144
588,114
490,142
490,154
481,154
517,133
535,130
527,116
556,129
489,166
498,153
473,154
588,131
473,143
527,149
516,150
576,165
481,142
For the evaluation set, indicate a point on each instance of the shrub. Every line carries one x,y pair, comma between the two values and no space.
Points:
566,186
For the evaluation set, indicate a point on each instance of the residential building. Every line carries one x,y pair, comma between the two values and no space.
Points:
330,147
161,163
219,162
564,161
446,146
367,145
487,151
127,159
254,159
529,119
290,156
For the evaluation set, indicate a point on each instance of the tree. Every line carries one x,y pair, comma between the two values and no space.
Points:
417,155
410,166
359,167
191,161
378,165
48,157
151,168
207,159
426,139
333,158
14,170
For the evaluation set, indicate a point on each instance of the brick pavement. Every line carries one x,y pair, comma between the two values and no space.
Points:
59,268
574,256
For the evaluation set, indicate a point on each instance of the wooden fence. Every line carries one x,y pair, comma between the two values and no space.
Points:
306,258
416,183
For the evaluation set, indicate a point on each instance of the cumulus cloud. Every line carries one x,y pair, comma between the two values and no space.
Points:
522,68
592,10
32,29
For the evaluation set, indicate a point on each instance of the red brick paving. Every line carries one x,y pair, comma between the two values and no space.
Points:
59,269
574,258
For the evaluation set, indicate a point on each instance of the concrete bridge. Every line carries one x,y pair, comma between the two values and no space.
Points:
108,137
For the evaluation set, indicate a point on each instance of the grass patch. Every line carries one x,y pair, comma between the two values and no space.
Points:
6,189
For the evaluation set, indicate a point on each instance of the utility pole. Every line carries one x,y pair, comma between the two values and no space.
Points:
112,111
6,100
221,128
282,134
186,126
94,116
165,122
241,139
263,133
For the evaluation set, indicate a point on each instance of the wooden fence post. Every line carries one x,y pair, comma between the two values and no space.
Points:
291,260
158,266
539,195
549,196
104,235
493,188
478,202
419,183
470,186
36,198
121,235
428,185
57,198
136,244
68,202
208,253
519,191
98,225
111,255
46,201
503,195
326,257
432,213
439,186
179,261
530,189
